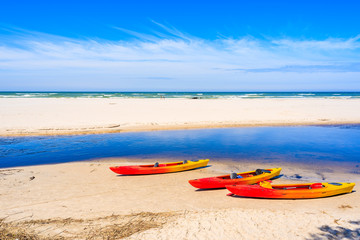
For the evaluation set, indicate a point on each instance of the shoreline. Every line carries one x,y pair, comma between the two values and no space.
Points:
104,130
39,116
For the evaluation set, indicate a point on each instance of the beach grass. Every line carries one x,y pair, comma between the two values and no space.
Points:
108,227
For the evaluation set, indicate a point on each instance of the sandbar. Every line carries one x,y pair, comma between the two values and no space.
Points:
62,116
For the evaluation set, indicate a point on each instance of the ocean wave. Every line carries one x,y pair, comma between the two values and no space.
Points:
184,95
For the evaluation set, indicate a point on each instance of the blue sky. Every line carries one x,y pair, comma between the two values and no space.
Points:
179,46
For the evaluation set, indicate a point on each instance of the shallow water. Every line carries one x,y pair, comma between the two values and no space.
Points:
306,144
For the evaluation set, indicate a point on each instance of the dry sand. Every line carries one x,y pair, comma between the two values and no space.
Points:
43,116
82,200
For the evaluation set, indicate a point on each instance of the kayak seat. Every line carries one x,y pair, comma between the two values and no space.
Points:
185,161
156,164
316,185
233,175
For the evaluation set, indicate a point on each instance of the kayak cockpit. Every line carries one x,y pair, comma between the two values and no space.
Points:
246,174
298,187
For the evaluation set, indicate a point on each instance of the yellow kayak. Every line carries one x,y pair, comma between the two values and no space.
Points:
243,178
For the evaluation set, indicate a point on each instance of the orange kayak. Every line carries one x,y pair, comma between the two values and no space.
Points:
250,177
292,191
160,168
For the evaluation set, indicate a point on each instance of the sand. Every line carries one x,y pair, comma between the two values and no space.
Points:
85,200
82,200
50,116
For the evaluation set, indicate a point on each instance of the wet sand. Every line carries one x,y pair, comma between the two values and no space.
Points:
85,199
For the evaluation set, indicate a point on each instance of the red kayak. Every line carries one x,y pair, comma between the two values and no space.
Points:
243,178
291,191
160,168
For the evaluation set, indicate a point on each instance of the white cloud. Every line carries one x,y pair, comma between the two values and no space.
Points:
329,44
174,59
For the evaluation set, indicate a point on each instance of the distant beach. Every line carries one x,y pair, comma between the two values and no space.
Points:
30,113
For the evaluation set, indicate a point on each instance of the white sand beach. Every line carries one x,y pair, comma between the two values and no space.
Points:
85,200
51,116
82,200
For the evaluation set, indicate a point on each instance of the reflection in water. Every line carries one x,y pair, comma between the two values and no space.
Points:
300,144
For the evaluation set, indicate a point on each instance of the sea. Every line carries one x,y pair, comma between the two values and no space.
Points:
189,95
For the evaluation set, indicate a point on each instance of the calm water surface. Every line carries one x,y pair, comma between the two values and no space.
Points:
293,144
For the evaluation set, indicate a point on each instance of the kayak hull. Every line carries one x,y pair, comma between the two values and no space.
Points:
292,191
162,168
222,181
